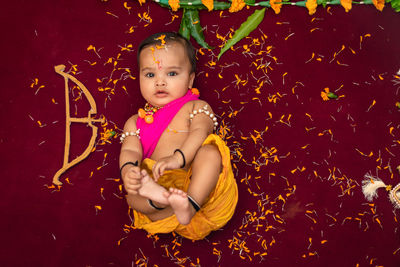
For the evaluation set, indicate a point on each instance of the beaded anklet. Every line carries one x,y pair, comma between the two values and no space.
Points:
207,112
126,134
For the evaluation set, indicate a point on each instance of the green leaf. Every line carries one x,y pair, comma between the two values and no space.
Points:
184,29
221,5
325,2
332,95
395,5
265,3
245,29
250,2
193,22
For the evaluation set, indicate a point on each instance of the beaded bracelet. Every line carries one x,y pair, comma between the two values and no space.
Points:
126,134
207,112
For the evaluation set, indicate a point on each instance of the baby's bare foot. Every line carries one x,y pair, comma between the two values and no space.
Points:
150,189
181,206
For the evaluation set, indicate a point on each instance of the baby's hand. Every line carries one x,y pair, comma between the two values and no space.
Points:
132,180
167,163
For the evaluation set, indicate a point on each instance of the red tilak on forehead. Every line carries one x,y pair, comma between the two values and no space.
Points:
158,62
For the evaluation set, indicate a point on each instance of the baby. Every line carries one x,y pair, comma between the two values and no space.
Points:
172,166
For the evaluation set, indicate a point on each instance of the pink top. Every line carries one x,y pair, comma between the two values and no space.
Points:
150,133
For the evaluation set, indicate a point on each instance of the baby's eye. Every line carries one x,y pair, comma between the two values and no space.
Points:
149,75
172,73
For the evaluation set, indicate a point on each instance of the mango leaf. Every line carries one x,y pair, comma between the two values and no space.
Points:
184,29
193,22
245,29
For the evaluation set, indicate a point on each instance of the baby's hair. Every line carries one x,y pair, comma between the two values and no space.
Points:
156,39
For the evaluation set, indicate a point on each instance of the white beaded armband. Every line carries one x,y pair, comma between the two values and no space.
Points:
207,112
126,134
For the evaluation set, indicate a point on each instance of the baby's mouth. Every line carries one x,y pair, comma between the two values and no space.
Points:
161,93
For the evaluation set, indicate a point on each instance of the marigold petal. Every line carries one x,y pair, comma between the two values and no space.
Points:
174,4
346,4
237,5
311,6
209,4
379,4
275,7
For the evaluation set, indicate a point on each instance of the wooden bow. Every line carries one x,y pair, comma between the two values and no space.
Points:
93,110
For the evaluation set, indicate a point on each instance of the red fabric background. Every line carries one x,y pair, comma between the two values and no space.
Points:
292,211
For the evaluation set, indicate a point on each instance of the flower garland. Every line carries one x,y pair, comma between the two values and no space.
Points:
237,5
190,23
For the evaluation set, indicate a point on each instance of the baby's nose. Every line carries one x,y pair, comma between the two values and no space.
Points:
160,82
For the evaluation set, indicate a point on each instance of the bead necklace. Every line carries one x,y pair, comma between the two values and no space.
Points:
148,112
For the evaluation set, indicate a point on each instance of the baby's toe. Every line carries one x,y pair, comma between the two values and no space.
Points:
166,194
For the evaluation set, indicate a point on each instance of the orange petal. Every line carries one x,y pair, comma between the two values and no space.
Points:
195,91
141,113
149,119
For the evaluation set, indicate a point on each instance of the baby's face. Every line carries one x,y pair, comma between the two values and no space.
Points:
164,73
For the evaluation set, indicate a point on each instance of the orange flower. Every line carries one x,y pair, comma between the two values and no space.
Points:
149,119
195,91
174,4
346,4
237,5
142,2
209,4
311,6
141,113
276,7
379,4
324,95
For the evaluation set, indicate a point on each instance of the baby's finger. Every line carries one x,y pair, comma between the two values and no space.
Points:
134,176
135,170
162,169
143,172
132,192
133,182
133,187
156,170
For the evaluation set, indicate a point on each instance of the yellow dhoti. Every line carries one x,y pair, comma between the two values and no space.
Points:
214,214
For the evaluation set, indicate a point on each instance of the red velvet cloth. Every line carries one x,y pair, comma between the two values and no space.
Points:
304,208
